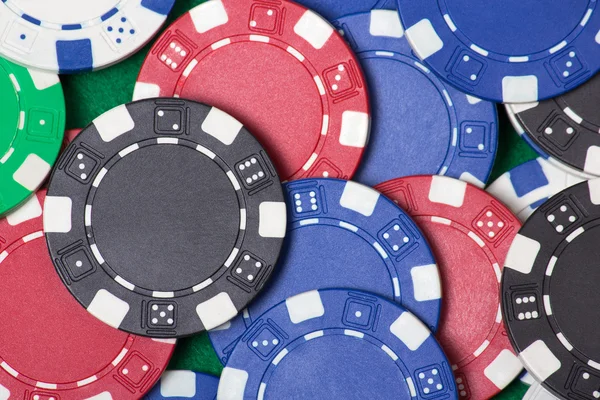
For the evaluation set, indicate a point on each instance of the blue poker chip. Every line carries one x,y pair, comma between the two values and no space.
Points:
184,385
344,234
337,343
526,187
421,125
511,51
70,36
332,9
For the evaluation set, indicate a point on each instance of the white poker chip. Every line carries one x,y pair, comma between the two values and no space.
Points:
70,36
529,185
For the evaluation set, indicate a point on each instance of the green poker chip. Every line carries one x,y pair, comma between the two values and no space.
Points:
32,124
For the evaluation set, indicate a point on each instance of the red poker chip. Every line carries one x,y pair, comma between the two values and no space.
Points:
50,346
470,233
70,136
280,69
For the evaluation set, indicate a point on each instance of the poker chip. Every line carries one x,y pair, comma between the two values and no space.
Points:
344,234
537,392
489,52
182,385
70,135
470,233
549,292
280,69
420,124
50,347
332,9
69,36
340,343
526,378
524,188
564,129
32,121
164,217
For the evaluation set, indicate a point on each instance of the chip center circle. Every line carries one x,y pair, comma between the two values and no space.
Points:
497,28
65,12
165,217
405,121
270,110
574,296
9,112
335,361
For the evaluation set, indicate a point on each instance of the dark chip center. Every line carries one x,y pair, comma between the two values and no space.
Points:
165,217
574,294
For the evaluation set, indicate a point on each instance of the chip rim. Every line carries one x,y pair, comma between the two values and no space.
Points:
113,299
239,374
352,125
30,156
25,224
92,32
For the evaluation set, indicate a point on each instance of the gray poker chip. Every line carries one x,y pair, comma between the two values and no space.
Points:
164,217
550,297
564,129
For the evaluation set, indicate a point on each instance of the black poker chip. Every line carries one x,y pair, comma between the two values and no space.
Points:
550,296
164,217
565,129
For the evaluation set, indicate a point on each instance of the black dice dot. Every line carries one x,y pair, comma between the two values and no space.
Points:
78,264
82,166
169,121
562,217
162,314
249,269
526,305
252,172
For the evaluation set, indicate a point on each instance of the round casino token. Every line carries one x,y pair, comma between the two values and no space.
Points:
333,9
564,129
310,110
470,233
353,344
420,124
70,135
537,392
341,233
32,123
191,191
526,378
489,52
74,356
184,385
549,292
524,188
69,36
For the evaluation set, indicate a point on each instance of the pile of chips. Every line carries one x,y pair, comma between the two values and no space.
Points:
302,184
